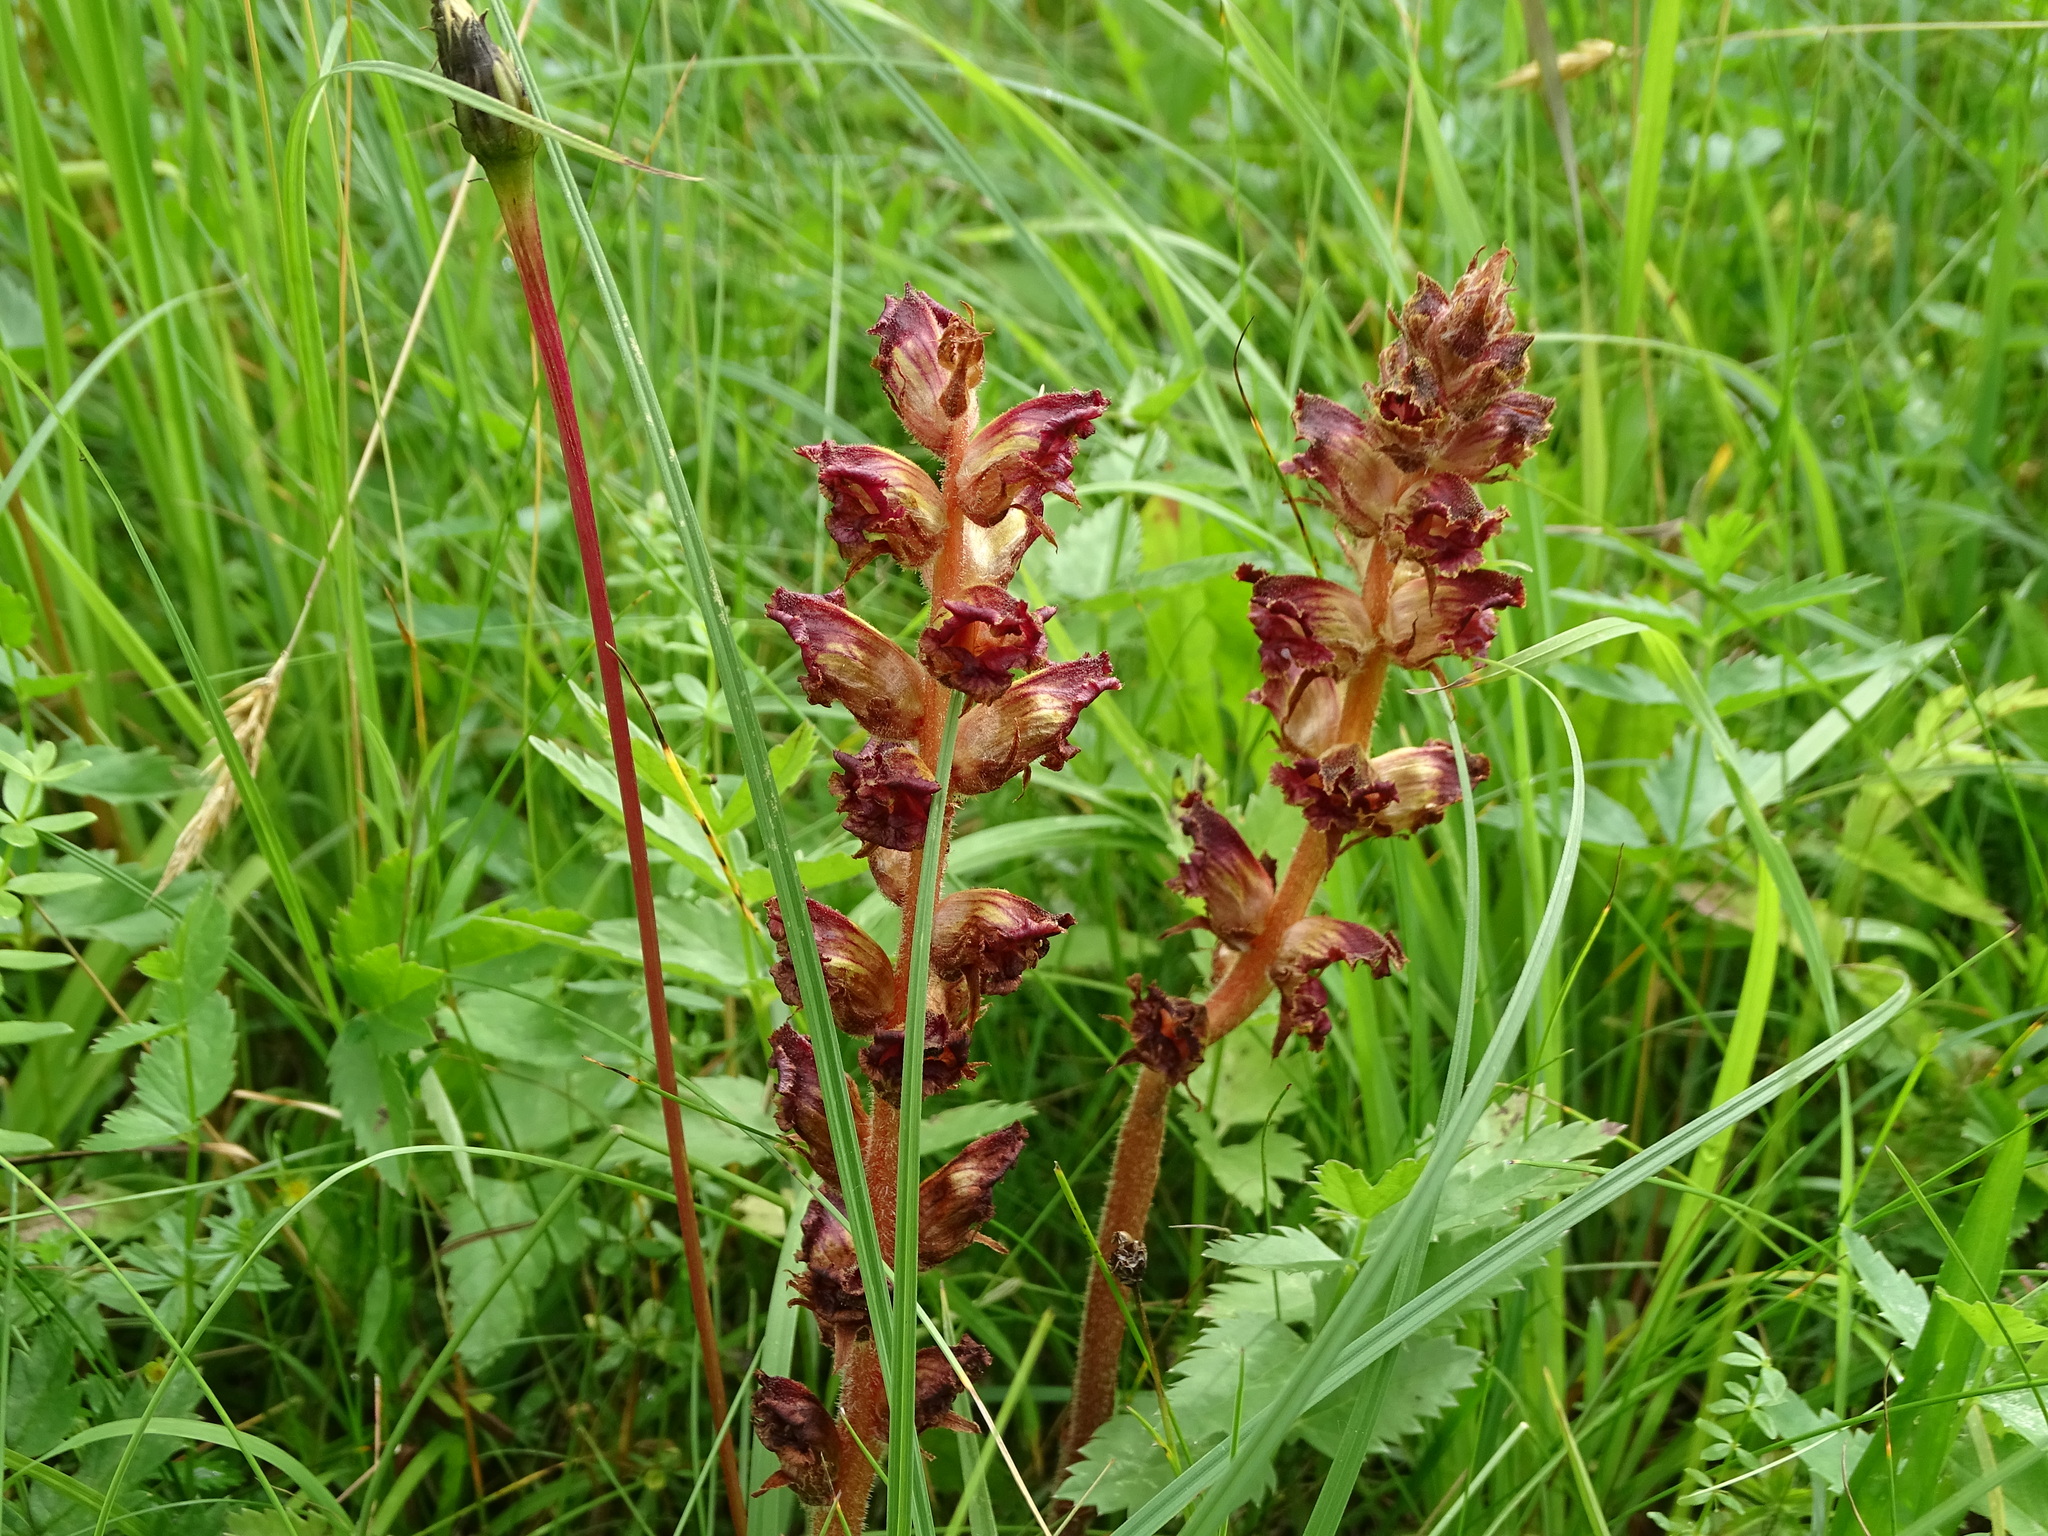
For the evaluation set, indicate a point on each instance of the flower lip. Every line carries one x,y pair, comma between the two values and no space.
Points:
1445,525
986,636
859,979
1306,950
1166,1032
946,1065
1429,618
954,1202
928,367
879,501
1025,455
885,794
848,661
794,1427
938,1385
1341,791
1346,459
1031,722
1307,627
1221,872
992,938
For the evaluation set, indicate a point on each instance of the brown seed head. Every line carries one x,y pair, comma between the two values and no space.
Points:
794,1427
1166,1032
467,56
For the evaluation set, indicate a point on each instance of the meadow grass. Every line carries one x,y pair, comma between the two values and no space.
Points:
270,390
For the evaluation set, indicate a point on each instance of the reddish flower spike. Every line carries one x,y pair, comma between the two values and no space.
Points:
1307,627
930,360
847,661
1430,618
1425,781
986,637
1306,950
1025,455
1445,526
1344,458
858,976
1166,1032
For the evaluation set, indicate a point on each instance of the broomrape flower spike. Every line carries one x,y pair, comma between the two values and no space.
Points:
981,662
1403,483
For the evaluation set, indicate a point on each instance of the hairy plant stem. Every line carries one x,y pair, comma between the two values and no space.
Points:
1134,1175
513,184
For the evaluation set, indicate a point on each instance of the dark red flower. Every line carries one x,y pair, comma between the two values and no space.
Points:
986,637
1444,525
992,938
1346,460
1029,723
1025,455
1341,791
1306,949
930,360
1166,1032
1234,886
885,794
1429,618
829,1284
938,1384
858,976
880,501
794,1427
945,1058
800,1102
953,1203
1307,627
848,661
1425,781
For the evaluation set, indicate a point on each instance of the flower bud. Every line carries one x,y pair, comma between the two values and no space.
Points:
992,938
1307,627
1307,948
1425,781
885,794
1166,1032
800,1102
1451,615
879,501
793,1426
1345,457
930,360
829,1285
946,1065
1030,722
986,636
1220,871
890,869
859,979
1341,791
467,56
1444,525
938,1384
848,661
953,1203
1024,455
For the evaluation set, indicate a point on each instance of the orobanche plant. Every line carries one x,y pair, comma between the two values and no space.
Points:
1401,483
974,708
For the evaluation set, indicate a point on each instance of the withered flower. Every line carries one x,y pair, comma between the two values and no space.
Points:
858,976
1127,1259
794,1427
1307,627
1220,871
1305,950
1025,455
848,661
879,501
1166,1032
467,56
885,794
1359,483
829,1285
953,1203
938,1384
800,1101
992,938
1444,524
946,1065
930,360
1341,791
1429,618
1029,723
986,637
1501,437
1425,781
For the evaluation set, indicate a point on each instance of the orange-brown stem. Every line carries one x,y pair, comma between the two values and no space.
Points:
514,188
1134,1175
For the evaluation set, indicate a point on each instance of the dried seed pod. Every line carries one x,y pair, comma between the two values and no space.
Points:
1166,1032
467,56
930,360
858,976
1433,617
986,637
1306,950
1025,455
938,1384
879,501
1234,886
1425,781
1341,791
991,938
1307,627
953,1203
849,662
885,794
1127,1259
794,1427
1029,723
945,1058
829,1285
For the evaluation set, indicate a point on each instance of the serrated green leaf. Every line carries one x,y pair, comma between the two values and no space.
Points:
1290,1250
1349,1190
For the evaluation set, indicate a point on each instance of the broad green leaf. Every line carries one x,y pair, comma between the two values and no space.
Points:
1249,1171
1349,1190
1999,1324
27,1031
1903,1304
